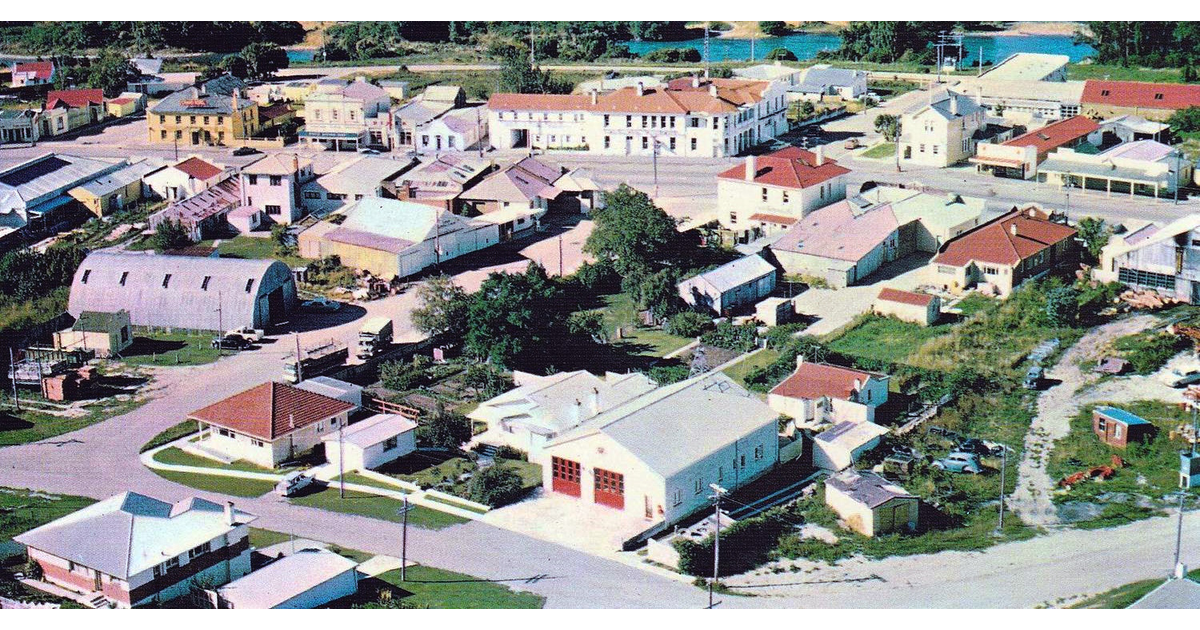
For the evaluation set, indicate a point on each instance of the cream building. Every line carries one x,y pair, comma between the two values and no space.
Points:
769,193
941,132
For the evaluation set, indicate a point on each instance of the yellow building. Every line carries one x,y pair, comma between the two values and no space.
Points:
106,333
217,112
127,104
108,193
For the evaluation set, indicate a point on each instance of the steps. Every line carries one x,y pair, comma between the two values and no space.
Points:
98,600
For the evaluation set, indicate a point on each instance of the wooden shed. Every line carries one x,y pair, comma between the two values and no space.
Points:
1117,427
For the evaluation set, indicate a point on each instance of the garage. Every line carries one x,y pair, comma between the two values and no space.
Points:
565,476
610,488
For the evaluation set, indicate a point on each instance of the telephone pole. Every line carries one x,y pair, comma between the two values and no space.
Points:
706,50
299,373
12,373
341,460
718,492
404,542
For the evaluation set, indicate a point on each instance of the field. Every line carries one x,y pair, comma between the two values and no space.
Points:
429,587
180,347
374,506
885,338
31,425
1084,71
214,483
187,427
880,151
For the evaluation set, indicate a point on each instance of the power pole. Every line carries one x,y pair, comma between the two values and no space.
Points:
1003,468
752,38
654,159
341,460
220,328
299,368
560,256
706,50
404,544
718,492
12,372
532,62
1179,537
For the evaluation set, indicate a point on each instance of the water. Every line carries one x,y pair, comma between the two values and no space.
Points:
806,45
300,55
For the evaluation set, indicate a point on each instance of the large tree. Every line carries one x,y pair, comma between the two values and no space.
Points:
111,71
634,234
264,59
511,313
443,309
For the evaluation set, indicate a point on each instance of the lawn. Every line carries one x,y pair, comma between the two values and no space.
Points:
253,247
738,371
31,425
880,151
187,427
428,587
1124,596
181,347
366,481
179,457
884,338
374,506
620,311
214,483
21,511
445,473
1080,72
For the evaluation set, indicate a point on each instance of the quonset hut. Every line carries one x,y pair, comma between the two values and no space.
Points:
184,291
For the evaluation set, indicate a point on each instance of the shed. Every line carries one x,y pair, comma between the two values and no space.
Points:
184,291
774,311
371,443
1117,427
918,308
839,446
306,579
870,504
334,388
743,281
105,333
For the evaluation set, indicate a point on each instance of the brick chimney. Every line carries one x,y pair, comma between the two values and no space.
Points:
953,103
595,401
751,168
595,96
712,89
229,518
799,360
695,81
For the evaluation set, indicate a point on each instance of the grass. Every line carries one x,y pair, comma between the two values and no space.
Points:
620,311
31,425
880,151
428,587
1150,350
187,427
253,247
974,303
457,504
885,338
21,511
214,483
356,478
377,507
179,347
738,371
1080,72
260,538
19,315
1124,596
178,457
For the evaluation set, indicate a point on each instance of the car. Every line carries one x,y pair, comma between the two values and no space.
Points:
232,342
321,305
368,151
1190,378
241,151
852,143
1033,377
975,446
293,482
960,463
247,333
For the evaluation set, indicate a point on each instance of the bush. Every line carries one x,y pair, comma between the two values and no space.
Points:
744,545
402,377
673,55
730,336
688,324
1149,351
774,29
445,430
1062,306
667,374
33,570
597,278
781,54
508,452
495,486
488,380
170,235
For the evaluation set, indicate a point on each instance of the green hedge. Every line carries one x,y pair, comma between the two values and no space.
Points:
744,545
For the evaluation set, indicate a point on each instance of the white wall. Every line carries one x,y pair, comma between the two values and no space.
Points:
339,586
270,454
371,457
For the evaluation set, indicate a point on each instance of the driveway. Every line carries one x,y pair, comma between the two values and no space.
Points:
835,308
568,521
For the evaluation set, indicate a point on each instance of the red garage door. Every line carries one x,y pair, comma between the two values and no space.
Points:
565,476
610,488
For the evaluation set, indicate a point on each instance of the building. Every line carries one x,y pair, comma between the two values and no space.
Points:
1117,427
112,192
371,443
217,112
543,407
1155,101
107,334
355,116
769,193
870,504
655,456
441,181
824,80
69,110
514,197
396,239
769,72
34,194
941,132
1019,158
273,184
1030,67
735,284
581,191
452,95
188,177
358,179
205,214
919,308
411,118
822,393
1157,257
125,104
605,84
132,550
334,388
305,579
1129,128
184,291
20,125
1142,167
841,243
274,115
1028,102
398,90
689,117
456,130
1004,252
33,73
839,446
270,423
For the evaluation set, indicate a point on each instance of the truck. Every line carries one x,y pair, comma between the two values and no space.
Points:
374,337
315,360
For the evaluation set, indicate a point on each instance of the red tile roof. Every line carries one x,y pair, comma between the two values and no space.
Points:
905,297
817,380
271,410
679,97
1055,134
124,100
74,98
997,242
778,219
792,167
274,110
1137,94
198,168
40,69
540,102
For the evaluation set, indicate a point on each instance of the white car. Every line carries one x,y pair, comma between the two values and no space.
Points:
247,333
321,304
293,483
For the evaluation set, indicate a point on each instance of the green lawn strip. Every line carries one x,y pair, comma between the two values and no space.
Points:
974,303
887,149
1125,595
21,511
453,503
260,538
375,506
235,486
163,349
255,248
29,424
177,457
367,481
429,587
187,427
531,474
1079,72
738,371
884,338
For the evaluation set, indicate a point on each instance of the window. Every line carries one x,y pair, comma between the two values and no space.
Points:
86,273
162,120
785,197
252,180
935,148
922,148
1105,92
720,473
645,142
743,461
672,144
1146,278
309,194
607,141
699,486
276,180
178,135
220,120
1158,96
991,270
249,284
764,194
191,120
274,210
333,114
693,144
390,443
338,196
225,433
758,452
124,276
258,443
206,120
166,280
629,121
644,125
162,135
199,550
352,114
733,217
677,498
318,114
450,141
606,120
178,120
320,427
425,140
821,189
1117,431
204,283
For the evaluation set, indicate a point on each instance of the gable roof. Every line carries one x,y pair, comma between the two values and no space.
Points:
849,435
867,487
521,182
905,297
940,104
678,97
277,164
271,410
841,231
1055,134
74,98
374,430
285,579
198,168
734,274
1142,150
362,90
562,401
1027,66
213,97
811,381
95,321
40,69
995,241
791,167
442,93
1138,94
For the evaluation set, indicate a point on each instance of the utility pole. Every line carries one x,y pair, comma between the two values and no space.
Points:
980,62
404,543
718,492
752,38
12,373
706,50
299,372
1179,536
532,62
560,256
654,159
1003,468
341,460
176,148
220,328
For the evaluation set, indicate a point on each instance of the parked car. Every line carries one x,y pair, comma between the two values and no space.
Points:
241,151
247,333
232,342
293,482
1033,377
975,446
852,143
368,151
960,463
320,305
1191,378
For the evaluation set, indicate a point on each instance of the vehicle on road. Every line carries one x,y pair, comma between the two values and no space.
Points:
232,342
320,305
374,337
960,463
241,151
293,482
368,151
1190,378
247,333
1034,376
315,361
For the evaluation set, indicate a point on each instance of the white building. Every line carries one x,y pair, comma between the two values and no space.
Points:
942,131
769,193
186,178
514,197
735,284
19,125
1157,257
273,185
1142,167
1030,67
351,117
922,309
33,73
456,130
821,393
870,504
371,443
351,181
771,72
334,388
824,80
839,446
303,580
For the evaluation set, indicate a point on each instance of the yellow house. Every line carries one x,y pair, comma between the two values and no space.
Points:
108,193
105,333
870,504
216,112
127,104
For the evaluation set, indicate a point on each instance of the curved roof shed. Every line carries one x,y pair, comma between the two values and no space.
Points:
184,291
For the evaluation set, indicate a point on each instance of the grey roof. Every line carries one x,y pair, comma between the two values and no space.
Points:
940,103
419,112
734,274
50,174
765,72
1056,164
362,176
213,97
93,321
1027,66
373,430
824,76
119,179
330,387
867,487
147,66
361,90
1172,594
284,579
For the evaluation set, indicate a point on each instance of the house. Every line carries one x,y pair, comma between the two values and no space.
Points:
125,104
371,443
1155,256
217,112
1029,102
731,286
655,456
411,118
927,220
352,117
334,388
33,73
205,214
1141,167
68,110
1129,128
184,291
770,72
20,125
398,90
453,95
130,549
34,194
274,184
604,84
350,181
112,192
942,131
824,80
441,181
840,243
822,393
1117,427
1155,101
839,446
456,130
869,504
543,407
514,197
186,178
396,239
769,193
306,579
270,423
1003,252
274,115
1030,67
1019,158
919,308
107,334
688,117
581,190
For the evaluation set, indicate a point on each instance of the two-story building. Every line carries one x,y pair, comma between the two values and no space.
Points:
273,185
769,193
514,197
353,117
33,73
1157,257
942,131
217,112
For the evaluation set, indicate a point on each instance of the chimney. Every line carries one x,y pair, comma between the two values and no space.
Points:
595,401
751,168
641,89
820,153
229,520
857,384
953,104
595,96
291,421
799,360
360,79
712,89
1013,229
577,412
235,101
695,81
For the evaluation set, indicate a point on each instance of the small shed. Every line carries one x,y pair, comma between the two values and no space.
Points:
371,443
918,308
839,446
306,579
774,311
334,388
105,333
1117,427
246,219
870,504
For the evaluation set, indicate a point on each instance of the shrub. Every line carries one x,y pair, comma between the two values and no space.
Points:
688,324
495,486
33,570
445,430
673,55
508,452
744,545
730,336
489,380
402,377
667,374
1062,306
1149,351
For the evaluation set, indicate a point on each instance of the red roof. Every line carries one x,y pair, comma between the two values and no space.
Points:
1005,240
679,97
905,297
74,98
777,219
271,410
1137,94
201,170
40,69
274,110
1055,134
791,167
818,380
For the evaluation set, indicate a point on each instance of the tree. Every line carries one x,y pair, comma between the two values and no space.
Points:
781,54
1095,233
674,55
658,293
1062,306
443,309
588,324
804,109
487,380
774,29
1186,120
511,313
444,430
688,324
496,486
111,71
170,235
233,64
517,75
263,59
888,125
635,235
400,376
